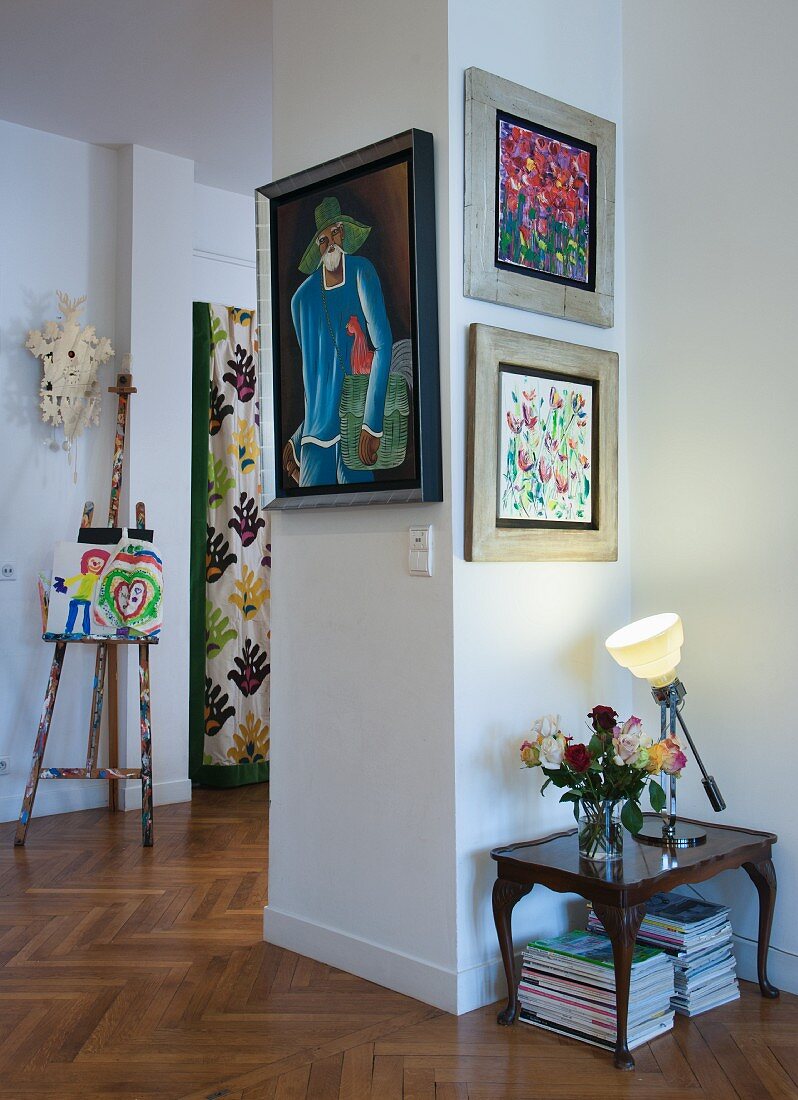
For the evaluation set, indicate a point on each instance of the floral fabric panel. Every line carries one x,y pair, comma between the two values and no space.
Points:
237,554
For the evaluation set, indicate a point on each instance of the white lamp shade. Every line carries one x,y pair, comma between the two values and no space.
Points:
650,648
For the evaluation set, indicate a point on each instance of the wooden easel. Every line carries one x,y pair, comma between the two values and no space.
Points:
106,665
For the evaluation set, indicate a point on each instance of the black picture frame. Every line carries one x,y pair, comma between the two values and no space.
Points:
407,284
588,285
557,378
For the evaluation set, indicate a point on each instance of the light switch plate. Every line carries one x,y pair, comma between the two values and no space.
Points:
419,538
420,552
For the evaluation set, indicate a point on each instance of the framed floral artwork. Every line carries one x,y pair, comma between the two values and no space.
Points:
539,202
542,460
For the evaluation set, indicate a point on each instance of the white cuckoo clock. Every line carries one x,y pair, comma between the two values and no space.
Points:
70,355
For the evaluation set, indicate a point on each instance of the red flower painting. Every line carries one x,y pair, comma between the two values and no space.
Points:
544,203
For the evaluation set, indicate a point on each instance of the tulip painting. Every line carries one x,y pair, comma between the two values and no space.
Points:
545,450
544,213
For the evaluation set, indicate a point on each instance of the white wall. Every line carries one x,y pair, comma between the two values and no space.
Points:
373,812
361,868
155,223
57,225
223,264
709,101
129,228
528,637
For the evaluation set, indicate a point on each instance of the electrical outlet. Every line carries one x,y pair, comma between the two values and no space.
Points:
4,765
8,571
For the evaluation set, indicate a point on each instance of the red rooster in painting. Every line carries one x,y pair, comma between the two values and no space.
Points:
362,354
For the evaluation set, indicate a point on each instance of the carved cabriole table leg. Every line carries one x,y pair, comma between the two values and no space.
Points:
763,876
621,925
505,895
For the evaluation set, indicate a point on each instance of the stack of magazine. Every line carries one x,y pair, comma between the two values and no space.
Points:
698,936
568,986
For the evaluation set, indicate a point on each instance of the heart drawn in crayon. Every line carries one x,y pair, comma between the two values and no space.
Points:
129,598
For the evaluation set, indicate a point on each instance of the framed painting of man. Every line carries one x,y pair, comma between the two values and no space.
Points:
542,459
539,202
347,278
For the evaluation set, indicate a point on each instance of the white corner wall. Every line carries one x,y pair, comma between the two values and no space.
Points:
129,228
709,95
154,257
361,863
57,227
372,865
529,638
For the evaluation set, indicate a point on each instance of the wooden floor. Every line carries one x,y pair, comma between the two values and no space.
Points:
131,973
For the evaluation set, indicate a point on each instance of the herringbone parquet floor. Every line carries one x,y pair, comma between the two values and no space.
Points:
130,973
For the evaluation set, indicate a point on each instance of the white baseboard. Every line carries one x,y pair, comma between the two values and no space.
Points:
426,981
435,985
57,796
414,977
483,985
782,965
62,796
163,794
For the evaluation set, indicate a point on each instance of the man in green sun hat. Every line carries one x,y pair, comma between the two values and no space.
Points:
340,288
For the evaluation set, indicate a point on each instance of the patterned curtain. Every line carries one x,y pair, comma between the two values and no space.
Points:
230,556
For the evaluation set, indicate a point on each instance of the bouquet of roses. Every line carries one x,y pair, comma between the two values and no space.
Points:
615,765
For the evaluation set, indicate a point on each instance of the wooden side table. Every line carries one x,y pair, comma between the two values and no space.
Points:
619,891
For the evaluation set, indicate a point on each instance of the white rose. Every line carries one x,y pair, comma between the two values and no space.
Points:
631,743
547,726
552,748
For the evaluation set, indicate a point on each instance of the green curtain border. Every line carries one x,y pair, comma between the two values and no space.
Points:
209,775
232,775
200,411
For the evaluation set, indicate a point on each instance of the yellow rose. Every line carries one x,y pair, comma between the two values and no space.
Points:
530,754
666,756
656,757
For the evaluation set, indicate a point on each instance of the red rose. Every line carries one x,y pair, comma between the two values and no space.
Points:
578,757
603,718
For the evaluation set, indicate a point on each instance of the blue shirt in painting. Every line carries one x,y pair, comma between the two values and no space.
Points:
320,317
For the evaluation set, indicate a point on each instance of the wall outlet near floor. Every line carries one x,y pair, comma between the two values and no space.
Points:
4,765
8,571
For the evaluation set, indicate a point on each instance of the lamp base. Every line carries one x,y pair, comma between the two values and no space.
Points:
684,835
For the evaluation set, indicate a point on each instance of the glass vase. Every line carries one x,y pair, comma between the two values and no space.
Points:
600,830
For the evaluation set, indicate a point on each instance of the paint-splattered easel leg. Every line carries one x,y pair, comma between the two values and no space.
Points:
41,744
97,692
146,747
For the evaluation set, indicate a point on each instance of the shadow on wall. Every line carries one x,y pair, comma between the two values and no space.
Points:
21,384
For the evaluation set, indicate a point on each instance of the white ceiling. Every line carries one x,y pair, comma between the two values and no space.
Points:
188,77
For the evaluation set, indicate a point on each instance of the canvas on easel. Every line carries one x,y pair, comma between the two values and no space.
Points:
76,575
106,590
129,595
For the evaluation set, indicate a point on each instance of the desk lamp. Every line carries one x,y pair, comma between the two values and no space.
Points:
651,649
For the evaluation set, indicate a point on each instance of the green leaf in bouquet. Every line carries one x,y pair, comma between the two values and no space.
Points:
632,817
656,796
556,775
595,745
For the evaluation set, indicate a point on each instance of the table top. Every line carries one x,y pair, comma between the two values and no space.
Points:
554,861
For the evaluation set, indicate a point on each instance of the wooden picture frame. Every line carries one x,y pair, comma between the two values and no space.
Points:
349,351
539,275
552,449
